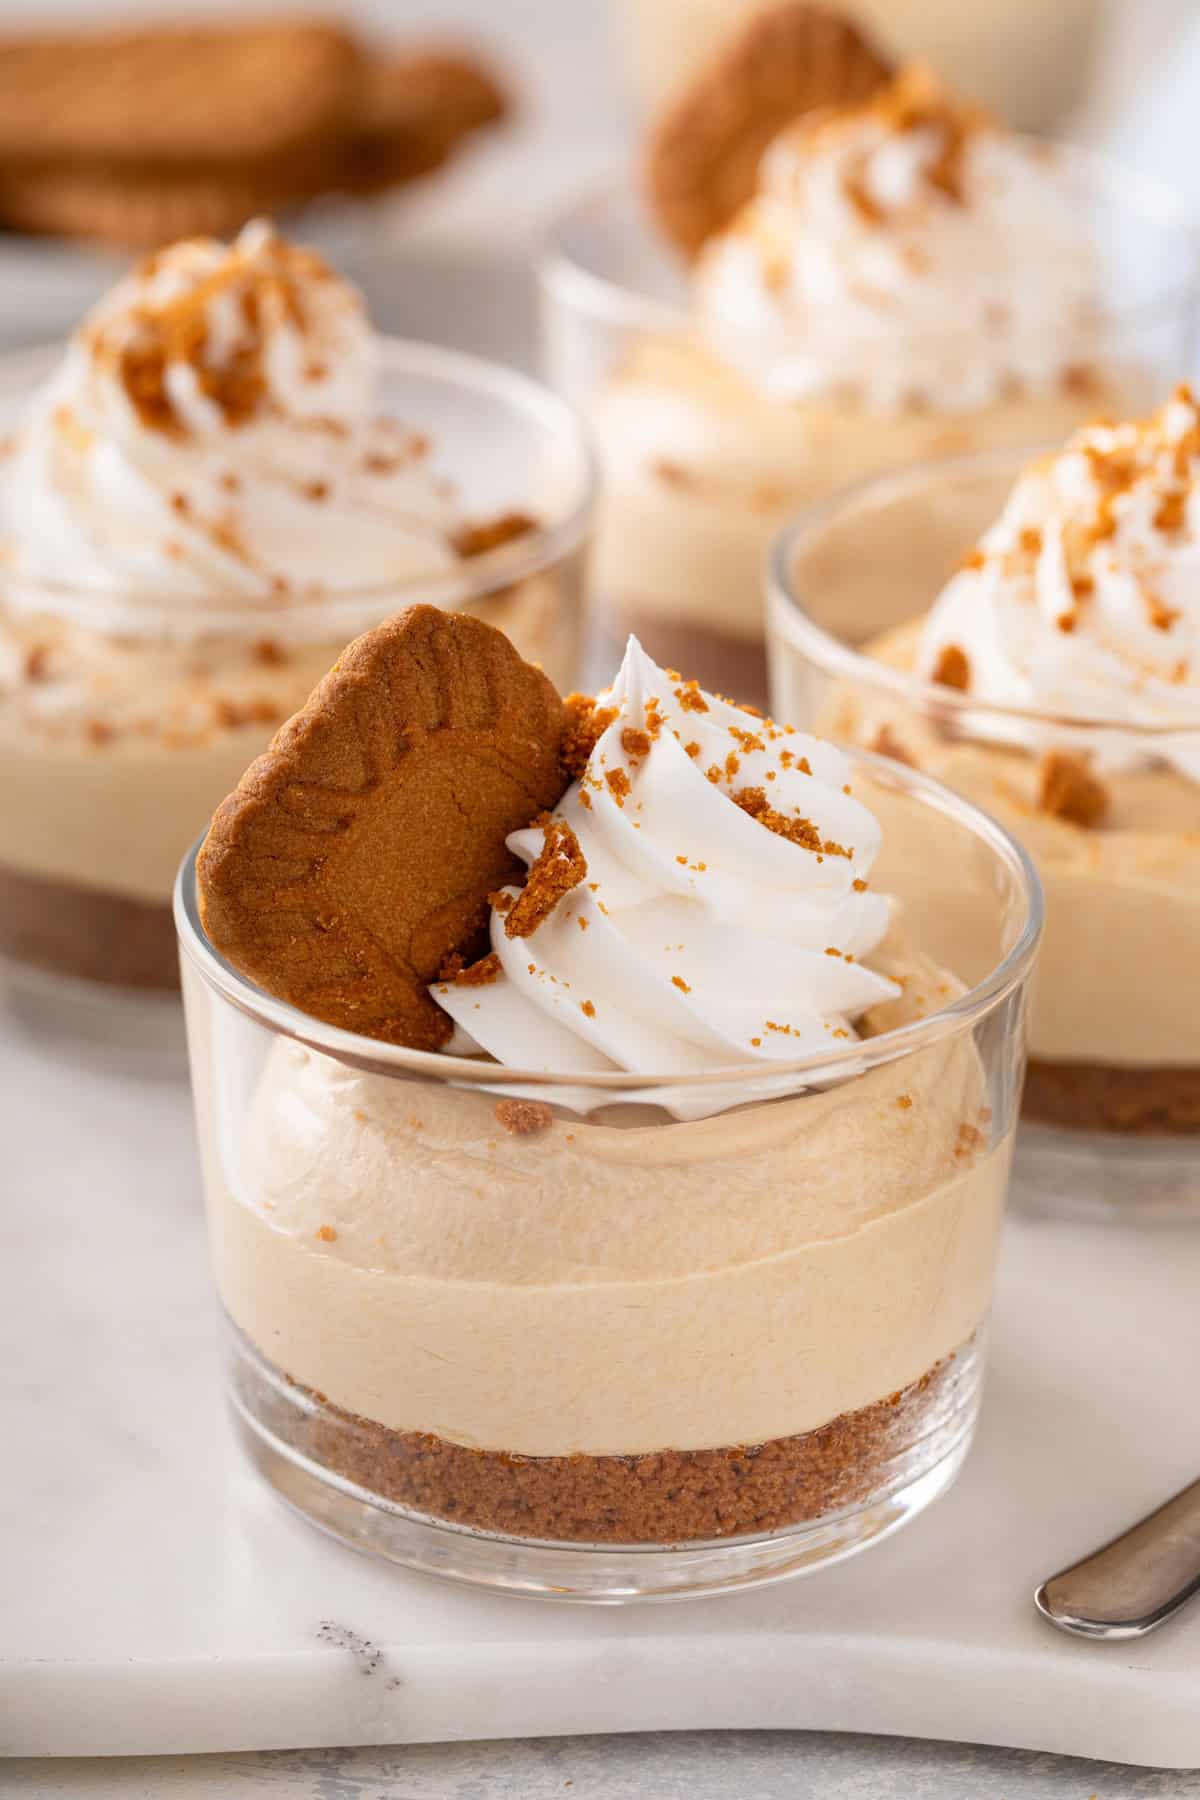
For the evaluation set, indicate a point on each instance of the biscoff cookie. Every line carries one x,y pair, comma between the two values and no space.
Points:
357,854
414,110
703,155
144,209
229,92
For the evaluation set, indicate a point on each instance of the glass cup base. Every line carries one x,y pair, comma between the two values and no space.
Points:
599,1573
139,1030
1096,1176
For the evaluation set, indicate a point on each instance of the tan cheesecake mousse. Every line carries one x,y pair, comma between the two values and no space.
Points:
564,1313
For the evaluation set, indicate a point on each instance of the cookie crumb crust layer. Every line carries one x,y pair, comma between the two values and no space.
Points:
86,933
1099,1097
665,1498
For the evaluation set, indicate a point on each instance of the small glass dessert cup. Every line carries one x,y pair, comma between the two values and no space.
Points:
509,1328
126,714
1111,1111
702,465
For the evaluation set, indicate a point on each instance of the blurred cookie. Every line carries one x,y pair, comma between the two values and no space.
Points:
414,111
144,209
703,155
225,93
358,853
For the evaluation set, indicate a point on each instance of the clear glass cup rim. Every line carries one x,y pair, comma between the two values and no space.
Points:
837,1064
477,577
790,620
561,273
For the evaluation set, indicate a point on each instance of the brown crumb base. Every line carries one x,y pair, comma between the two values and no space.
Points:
665,1498
720,661
87,934
1096,1097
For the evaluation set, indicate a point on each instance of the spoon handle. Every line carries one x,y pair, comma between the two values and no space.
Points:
1135,1582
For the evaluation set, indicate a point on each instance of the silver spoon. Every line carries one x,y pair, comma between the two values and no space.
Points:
1133,1583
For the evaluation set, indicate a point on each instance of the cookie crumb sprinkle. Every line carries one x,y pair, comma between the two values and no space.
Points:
952,668
524,1118
560,866
1068,790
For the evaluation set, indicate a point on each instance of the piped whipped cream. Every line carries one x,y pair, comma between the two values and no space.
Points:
1083,599
904,253
699,899
212,431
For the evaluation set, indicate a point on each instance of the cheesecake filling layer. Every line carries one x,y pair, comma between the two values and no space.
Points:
601,1288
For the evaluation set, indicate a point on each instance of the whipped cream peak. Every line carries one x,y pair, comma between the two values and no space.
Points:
212,434
1083,599
698,899
904,253
203,337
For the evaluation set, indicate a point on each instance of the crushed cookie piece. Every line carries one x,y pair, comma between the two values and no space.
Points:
974,559
747,741
690,698
501,901
904,1101
1078,380
584,726
683,986
1030,540
952,669
635,743
797,831
619,785
477,540
1067,789
327,1234
692,749
1161,616
523,1118
859,885
477,974
560,866
587,1009
886,743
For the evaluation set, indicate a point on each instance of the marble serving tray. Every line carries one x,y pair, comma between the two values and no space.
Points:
154,1599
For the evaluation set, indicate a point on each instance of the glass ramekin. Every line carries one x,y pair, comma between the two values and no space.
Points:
621,1356
1026,61
96,810
701,469
1111,1119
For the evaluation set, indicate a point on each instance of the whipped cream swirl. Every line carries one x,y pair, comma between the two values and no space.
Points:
905,253
1083,600
698,900
211,432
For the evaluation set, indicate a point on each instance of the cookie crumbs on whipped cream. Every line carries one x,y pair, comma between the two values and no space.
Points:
1081,600
560,866
763,897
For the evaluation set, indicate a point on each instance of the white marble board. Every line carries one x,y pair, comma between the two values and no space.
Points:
154,1599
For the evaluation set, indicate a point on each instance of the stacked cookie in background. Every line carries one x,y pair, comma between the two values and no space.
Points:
142,135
